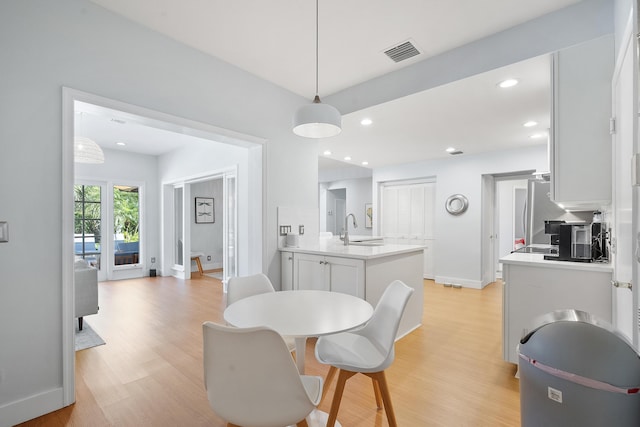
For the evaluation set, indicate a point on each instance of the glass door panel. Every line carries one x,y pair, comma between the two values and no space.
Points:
88,223
229,260
178,226
126,225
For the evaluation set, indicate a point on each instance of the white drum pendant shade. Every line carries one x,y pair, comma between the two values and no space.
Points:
317,120
86,151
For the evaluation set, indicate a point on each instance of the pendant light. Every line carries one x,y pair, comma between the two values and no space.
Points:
86,150
317,120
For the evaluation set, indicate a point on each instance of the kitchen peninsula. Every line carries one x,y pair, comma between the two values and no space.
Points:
363,269
534,286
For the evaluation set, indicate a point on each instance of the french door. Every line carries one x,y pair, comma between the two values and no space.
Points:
107,228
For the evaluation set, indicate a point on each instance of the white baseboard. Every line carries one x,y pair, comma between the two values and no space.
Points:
31,407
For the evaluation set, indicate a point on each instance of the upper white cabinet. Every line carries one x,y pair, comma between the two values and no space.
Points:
580,123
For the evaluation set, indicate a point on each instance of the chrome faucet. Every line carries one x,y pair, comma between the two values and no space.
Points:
345,236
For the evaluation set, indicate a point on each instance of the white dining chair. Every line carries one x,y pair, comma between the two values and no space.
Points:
368,350
252,381
246,286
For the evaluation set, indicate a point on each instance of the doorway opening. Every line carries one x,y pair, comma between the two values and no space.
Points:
203,213
503,204
337,204
146,176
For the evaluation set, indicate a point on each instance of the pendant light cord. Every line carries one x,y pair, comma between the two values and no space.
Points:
317,47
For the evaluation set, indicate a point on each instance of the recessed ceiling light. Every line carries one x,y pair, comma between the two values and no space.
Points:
450,150
365,163
120,143
537,136
508,83
529,124
347,158
366,122
327,153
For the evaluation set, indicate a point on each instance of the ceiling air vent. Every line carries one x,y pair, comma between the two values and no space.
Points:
402,51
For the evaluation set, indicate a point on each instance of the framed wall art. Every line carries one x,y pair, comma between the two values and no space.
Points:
368,215
204,210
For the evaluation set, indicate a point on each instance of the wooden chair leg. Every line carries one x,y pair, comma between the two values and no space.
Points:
302,423
327,381
337,396
199,266
381,379
376,392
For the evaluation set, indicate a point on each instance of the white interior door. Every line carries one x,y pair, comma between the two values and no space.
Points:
622,221
230,227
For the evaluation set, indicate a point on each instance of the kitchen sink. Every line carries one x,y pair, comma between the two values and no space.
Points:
367,243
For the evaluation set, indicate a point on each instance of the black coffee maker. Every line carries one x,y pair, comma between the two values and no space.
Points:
578,242
575,243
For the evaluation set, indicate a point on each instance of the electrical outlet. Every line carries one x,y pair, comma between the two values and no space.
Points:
153,259
284,229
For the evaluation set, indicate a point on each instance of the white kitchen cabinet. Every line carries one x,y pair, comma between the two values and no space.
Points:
580,123
327,273
286,264
535,288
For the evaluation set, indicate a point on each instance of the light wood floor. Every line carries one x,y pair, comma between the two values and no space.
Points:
449,372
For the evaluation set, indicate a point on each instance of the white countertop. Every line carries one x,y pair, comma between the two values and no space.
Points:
334,247
537,260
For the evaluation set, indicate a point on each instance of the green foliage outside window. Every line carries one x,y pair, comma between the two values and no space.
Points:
126,213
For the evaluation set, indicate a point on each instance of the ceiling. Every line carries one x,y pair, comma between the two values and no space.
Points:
275,40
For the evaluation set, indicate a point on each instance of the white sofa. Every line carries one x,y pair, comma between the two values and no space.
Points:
86,290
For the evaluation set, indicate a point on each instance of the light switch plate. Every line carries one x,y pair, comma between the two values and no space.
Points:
4,231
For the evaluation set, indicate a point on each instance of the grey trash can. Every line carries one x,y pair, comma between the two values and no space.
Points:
576,370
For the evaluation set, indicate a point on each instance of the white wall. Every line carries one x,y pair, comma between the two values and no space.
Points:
46,45
458,238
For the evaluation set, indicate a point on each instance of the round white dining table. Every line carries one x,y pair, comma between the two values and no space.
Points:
300,314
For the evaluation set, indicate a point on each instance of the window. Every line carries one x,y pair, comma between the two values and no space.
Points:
87,227
126,224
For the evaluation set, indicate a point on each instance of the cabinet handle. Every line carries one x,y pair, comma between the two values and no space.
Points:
624,285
